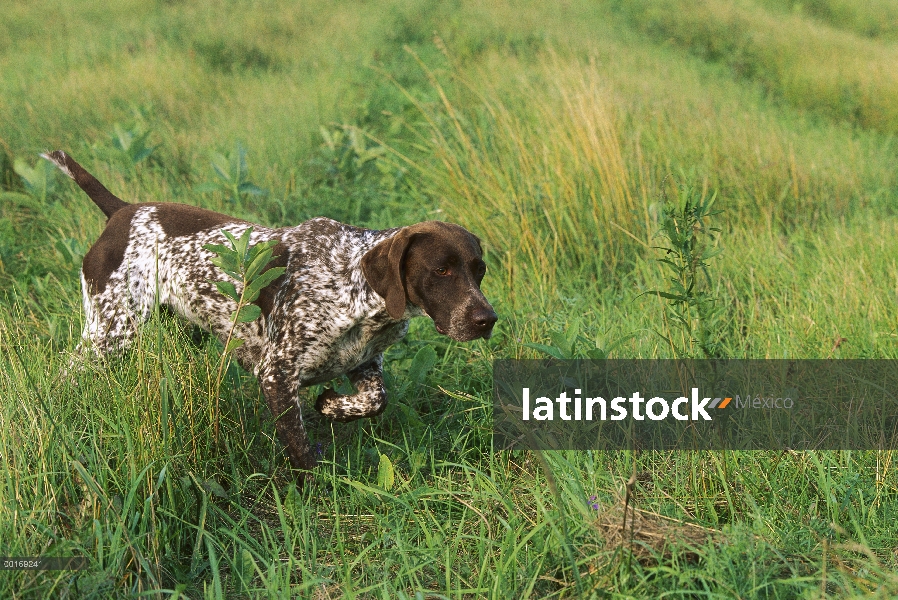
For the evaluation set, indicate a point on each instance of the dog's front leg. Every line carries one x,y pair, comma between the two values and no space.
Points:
284,404
369,400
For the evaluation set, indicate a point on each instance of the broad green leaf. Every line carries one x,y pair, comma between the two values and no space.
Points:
668,296
122,138
234,344
253,289
248,313
250,188
222,166
550,350
385,474
227,264
29,175
260,247
571,335
40,180
562,343
244,570
142,154
409,414
253,251
231,238
213,487
422,364
293,500
228,289
258,263
216,248
239,162
243,243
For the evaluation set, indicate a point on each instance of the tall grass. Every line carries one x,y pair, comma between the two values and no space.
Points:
563,172
873,19
803,63
543,180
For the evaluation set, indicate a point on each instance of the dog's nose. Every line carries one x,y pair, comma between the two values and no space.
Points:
484,318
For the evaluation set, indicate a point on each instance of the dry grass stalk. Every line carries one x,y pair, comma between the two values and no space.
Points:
649,535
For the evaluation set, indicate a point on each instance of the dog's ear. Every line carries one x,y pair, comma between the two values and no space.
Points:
384,268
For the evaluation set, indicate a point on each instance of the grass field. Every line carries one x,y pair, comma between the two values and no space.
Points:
556,135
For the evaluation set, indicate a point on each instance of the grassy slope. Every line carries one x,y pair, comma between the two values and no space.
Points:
557,132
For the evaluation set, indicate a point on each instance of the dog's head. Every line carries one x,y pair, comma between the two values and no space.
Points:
437,267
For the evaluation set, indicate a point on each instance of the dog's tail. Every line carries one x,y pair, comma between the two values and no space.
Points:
108,202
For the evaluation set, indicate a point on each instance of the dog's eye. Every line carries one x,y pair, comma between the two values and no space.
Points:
443,272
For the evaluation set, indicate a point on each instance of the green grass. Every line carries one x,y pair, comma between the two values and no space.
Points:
834,72
554,135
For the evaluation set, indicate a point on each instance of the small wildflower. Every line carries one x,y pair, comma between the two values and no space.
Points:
593,503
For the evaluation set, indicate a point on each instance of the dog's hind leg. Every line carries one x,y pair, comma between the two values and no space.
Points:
110,320
110,324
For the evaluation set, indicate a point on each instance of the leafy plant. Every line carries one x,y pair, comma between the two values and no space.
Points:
404,390
691,244
40,180
422,363
72,251
244,569
570,344
385,473
349,157
351,178
245,263
132,143
232,176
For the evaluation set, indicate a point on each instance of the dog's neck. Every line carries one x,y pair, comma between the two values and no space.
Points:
373,304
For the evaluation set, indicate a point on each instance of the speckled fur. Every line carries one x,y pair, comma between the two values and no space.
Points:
324,318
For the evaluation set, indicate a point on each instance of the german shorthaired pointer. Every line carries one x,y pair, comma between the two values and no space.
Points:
347,294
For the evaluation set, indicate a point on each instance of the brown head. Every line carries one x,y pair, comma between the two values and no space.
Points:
437,267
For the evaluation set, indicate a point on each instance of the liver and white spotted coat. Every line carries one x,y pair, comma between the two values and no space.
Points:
347,294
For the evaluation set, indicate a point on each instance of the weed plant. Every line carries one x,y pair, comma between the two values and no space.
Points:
690,246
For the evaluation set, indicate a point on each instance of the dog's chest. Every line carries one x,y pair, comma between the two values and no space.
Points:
325,319
367,339
338,344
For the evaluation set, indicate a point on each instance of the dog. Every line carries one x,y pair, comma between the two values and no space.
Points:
347,294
